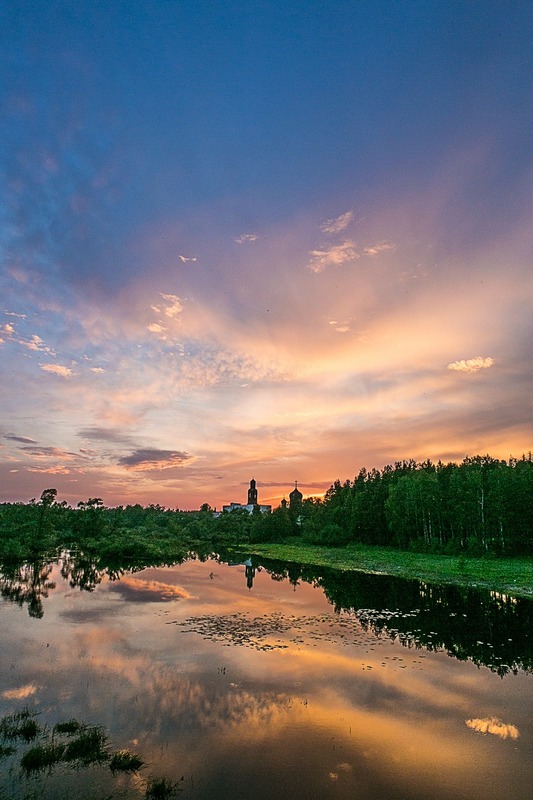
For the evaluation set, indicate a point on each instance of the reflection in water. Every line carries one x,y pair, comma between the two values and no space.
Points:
27,584
34,751
259,679
494,726
487,628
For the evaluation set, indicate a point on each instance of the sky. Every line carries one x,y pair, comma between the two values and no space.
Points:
281,240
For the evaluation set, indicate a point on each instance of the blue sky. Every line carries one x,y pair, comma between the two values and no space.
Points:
285,240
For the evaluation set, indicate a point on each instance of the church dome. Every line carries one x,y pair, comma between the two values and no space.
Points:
295,496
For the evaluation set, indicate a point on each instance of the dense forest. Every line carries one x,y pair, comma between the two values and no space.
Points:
482,505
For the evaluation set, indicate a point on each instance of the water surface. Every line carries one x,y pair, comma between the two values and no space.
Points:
240,681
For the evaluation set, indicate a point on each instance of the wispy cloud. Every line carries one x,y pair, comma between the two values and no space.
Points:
337,224
59,469
246,238
174,306
333,256
33,342
380,247
57,369
50,452
36,343
99,434
145,460
471,364
336,254
340,327
21,439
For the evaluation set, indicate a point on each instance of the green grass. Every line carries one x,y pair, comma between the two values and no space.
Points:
507,575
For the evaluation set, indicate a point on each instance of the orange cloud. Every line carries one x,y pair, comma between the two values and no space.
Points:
158,588
21,693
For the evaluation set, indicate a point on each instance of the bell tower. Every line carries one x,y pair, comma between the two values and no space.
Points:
252,493
295,498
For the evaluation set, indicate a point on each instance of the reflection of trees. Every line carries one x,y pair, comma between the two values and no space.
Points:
81,570
487,628
27,584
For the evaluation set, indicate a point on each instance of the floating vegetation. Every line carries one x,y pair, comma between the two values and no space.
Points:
414,629
276,631
368,627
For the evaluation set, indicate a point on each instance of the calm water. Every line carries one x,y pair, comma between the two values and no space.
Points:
246,682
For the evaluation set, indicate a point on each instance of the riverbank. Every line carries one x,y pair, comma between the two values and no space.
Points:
512,576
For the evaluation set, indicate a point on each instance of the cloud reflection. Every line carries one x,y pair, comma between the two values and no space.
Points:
20,693
494,726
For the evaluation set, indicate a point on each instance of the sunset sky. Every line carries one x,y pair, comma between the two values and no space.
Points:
281,240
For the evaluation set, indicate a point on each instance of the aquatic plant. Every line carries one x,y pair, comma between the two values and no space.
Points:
161,789
21,725
124,761
89,747
42,756
70,726
70,745
6,750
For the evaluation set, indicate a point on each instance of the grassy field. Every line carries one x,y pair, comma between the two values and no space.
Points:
507,575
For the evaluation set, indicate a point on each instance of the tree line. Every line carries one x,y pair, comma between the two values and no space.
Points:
480,506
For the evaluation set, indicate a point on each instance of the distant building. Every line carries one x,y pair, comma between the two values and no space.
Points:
252,493
295,498
251,504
